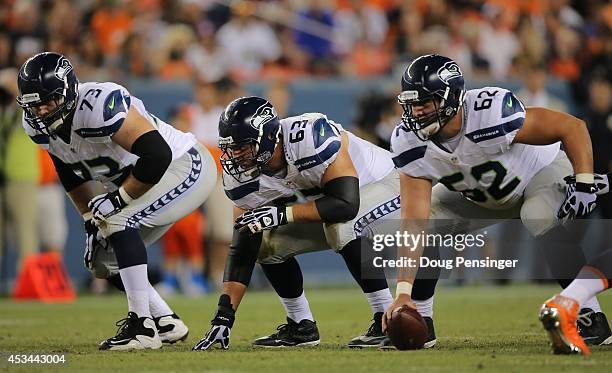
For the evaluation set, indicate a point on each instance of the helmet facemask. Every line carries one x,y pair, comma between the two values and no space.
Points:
429,124
244,160
49,121
240,159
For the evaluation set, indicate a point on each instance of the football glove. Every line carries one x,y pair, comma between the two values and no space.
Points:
221,326
106,205
601,182
261,218
580,199
94,241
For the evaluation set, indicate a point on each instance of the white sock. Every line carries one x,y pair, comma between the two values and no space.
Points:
157,305
136,285
586,285
425,307
379,300
593,304
297,308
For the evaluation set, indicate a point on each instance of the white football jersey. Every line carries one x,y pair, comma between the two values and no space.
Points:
100,111
311,143
485,165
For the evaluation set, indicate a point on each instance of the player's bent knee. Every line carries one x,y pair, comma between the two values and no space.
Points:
538,227
339,235
105,269
272,259
537,222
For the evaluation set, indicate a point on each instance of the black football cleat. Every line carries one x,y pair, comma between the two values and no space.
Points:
134,333
593,327
171,328
430,342
374,337
292,334
431,333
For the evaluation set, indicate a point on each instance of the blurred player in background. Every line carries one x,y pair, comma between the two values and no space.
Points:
52,223
153,174
202,119
183,257
19,175
493,159
183,249
347,184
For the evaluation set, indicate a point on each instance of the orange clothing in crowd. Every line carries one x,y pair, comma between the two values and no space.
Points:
216,153
176,70
565,69
520,6
111,27
381,4
184,238
369,61
47,169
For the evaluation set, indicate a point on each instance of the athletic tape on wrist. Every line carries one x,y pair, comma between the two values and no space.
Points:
289,212
126,197
403,287
585,178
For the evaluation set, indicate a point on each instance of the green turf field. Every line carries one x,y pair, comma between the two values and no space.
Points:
479,329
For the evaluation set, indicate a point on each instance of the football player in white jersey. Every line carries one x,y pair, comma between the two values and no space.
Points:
493,159
349,184
153,175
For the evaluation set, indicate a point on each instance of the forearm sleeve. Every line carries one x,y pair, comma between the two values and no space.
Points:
241,257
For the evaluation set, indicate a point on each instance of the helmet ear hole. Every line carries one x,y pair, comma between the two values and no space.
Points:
457,94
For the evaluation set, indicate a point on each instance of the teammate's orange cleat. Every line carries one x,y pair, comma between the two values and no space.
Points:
558,315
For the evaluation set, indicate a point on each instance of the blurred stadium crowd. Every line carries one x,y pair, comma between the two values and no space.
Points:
121,39
216,46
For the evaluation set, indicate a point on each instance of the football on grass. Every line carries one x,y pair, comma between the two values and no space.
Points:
407,329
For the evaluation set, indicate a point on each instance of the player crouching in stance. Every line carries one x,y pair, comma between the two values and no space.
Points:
267,161
153,174
492,159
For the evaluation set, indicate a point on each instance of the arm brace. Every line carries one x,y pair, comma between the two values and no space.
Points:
154,155
67,177
241,257
341,200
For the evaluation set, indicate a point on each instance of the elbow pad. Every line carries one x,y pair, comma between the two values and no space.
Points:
341,200
241,257
154,155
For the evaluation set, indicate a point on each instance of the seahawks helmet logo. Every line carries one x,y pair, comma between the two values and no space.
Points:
263,115
449,71
63,68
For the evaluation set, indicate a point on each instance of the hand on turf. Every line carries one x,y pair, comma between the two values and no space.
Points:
217,334
580,200
94,241
400,300
261,218
221,326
